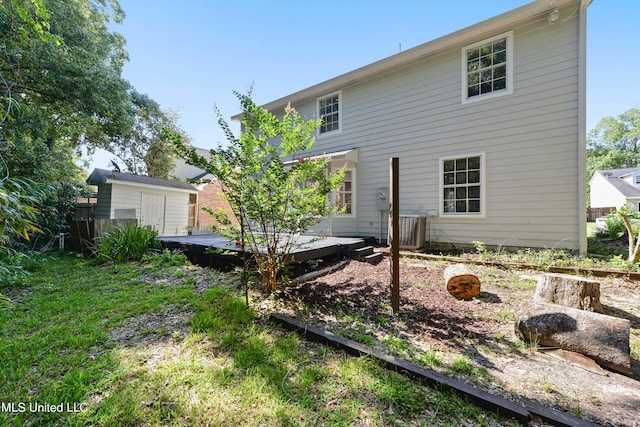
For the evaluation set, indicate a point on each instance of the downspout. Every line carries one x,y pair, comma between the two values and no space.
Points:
582,132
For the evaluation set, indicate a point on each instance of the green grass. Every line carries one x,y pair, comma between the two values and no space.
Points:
635,343
65,342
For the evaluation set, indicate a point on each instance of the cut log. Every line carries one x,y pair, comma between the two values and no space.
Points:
571,291
461,282
602,338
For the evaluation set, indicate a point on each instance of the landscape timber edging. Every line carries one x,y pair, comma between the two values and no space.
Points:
523,413
597,272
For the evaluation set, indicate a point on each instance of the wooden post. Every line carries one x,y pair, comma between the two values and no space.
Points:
394,231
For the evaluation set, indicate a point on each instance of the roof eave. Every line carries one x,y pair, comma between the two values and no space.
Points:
458,38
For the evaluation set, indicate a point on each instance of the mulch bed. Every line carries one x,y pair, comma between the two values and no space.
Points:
481,330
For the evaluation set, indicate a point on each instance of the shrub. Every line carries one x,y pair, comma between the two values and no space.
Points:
129,243
615,226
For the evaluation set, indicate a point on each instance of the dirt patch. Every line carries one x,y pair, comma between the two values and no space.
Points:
356,300
169,323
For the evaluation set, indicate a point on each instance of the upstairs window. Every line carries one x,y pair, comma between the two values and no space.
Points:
329,111
462,185
487,68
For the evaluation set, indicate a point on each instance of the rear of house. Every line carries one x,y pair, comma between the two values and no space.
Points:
488,124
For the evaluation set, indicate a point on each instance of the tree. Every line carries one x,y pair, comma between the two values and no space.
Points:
274,193
20,200
626,214
60,68
613,144
53,164
621,134
61,86
144,149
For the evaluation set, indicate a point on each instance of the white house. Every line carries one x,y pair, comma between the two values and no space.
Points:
488,123
161,204
615,188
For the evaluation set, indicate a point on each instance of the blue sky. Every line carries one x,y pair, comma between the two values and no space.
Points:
191,55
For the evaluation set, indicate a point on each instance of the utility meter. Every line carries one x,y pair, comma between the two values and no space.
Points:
382,199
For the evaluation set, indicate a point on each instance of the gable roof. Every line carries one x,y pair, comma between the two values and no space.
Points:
458,39
101,176
616,178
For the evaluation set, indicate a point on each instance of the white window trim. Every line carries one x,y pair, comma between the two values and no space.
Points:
463,70
483,197
353,196
340,113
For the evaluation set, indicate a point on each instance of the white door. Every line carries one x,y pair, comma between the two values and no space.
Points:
152,212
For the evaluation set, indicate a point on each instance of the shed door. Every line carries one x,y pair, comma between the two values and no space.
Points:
152,212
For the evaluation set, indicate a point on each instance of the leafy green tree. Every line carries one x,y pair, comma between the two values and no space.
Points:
144,149
613,144
274,193
60,69
51,164
19,212
621,134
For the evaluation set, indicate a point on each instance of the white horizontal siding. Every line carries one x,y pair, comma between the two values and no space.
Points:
176,214
604,195
125,197
175,208
530,139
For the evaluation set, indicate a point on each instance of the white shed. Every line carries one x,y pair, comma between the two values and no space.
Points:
161,204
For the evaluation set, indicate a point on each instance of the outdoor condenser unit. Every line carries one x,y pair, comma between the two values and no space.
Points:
412,231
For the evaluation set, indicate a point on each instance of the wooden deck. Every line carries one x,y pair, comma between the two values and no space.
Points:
211,250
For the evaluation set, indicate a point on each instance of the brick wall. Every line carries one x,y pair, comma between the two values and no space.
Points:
211,197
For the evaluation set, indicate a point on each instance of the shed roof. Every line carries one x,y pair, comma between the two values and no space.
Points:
616,177
101,176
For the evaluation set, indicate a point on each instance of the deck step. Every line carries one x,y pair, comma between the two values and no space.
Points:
374,258
360,253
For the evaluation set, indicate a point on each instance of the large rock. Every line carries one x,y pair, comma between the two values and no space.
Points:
602,338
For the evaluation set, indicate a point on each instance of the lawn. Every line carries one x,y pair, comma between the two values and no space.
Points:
164,343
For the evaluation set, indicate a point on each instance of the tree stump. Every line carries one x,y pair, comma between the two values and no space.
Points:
602,338
571,291
461,282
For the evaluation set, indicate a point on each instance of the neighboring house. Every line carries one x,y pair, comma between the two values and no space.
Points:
488,123
154,202
209,191
615,188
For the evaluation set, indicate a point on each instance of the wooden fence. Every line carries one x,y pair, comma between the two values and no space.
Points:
85,231
593,213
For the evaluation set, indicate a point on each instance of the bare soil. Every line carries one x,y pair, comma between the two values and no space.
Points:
356,300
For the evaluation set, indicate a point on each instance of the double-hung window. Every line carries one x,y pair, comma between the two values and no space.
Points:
487,68
329,110
462,185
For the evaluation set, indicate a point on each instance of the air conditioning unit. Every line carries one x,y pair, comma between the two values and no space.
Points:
412,231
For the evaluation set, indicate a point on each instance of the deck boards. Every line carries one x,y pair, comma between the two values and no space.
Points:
306,247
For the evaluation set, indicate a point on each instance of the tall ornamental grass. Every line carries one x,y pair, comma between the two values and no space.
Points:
126,243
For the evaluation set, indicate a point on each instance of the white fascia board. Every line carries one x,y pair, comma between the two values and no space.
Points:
457,39
154,187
